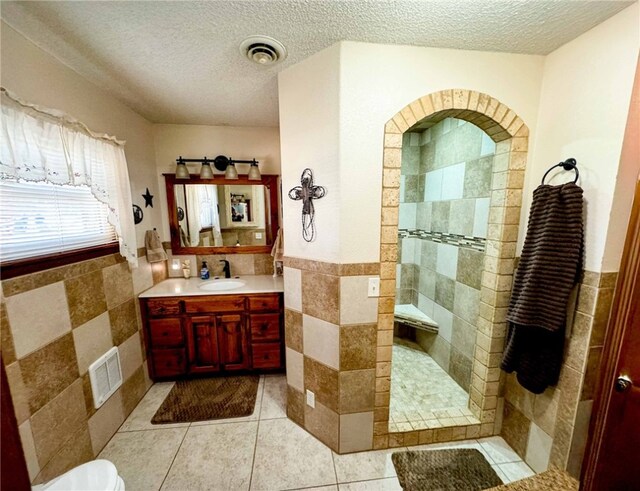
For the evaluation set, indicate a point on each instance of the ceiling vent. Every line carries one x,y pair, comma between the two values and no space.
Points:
263,50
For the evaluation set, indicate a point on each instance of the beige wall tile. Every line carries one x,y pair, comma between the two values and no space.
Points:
37,317
105,422
56,421
76,451
142,277
134,389
49,371
295,405
322,381
323,423
124,322
85,297
357,391
321,341
263,264
29,449
88,395
515,429
293,329
6,338
118,286
538,449
92,340
356,432
356,307
130,355
19,393
321,296
241,264
358,346
295,369
579,438
292,288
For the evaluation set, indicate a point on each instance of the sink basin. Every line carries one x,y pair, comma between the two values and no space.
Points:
222,285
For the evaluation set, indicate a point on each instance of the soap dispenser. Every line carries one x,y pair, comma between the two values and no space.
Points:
204,272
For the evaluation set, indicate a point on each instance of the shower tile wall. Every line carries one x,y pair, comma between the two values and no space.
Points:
444,210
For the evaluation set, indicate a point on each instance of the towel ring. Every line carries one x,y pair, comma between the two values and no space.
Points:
569,164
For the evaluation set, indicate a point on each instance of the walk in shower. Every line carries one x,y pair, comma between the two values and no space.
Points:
445,191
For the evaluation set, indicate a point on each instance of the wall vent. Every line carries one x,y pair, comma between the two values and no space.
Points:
106,376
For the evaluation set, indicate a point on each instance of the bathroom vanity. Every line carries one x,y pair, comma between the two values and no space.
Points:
194,327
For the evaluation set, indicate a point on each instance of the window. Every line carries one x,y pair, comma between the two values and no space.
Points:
42,218
63,188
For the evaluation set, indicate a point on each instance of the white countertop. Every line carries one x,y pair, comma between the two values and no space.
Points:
174,287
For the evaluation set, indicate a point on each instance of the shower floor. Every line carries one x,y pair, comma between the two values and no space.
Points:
423,395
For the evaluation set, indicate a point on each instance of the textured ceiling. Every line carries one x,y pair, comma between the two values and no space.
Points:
179,62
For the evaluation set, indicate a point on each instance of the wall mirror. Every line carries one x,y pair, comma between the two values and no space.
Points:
222,216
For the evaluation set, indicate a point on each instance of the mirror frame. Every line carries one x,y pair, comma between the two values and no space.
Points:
268,181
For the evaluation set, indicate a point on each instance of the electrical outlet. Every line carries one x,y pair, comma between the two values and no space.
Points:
311,399
258,235
175,264
374,287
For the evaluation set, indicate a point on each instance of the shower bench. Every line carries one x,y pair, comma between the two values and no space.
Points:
410,315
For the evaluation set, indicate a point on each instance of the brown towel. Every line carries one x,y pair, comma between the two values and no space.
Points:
549,267
153,244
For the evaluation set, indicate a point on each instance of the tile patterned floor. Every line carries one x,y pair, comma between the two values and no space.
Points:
423,395
264,452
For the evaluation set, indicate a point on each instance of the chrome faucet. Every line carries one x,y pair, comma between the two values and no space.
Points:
226,268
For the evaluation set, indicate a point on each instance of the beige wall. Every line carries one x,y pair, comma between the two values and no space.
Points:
334,121
584,104
38,77
309,137
628,173
197,141
54,324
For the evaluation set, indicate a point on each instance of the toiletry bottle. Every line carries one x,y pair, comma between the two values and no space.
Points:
204,272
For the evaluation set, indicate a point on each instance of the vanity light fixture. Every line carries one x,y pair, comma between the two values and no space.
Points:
221,163
231,173
181,169
254,172
205,170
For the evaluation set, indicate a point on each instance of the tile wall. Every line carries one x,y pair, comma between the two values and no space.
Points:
512,138
550,429
54,324
240,264
331,334
445,189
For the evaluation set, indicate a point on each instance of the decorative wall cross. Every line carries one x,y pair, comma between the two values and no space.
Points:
307,192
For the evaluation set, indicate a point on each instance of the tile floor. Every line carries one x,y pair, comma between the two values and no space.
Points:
264,451
423,395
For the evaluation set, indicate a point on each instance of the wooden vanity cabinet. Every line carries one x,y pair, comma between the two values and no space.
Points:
210,334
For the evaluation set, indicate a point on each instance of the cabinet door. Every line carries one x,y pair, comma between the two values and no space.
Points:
232,338
203,348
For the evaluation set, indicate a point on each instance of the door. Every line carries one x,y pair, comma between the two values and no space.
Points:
612,461
232,337
203,348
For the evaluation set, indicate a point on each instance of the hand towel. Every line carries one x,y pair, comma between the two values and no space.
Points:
277,251
549,267
155,251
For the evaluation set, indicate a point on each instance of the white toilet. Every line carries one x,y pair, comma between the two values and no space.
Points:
97,475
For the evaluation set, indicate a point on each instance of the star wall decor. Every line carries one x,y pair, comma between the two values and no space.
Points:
307,192
148,199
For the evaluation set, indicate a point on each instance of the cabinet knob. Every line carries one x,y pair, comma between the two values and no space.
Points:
264,326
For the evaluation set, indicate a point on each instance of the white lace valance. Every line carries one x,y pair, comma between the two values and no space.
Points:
44,145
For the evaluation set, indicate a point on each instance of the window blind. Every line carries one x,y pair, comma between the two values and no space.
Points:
39,218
